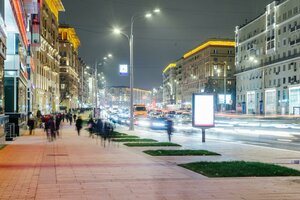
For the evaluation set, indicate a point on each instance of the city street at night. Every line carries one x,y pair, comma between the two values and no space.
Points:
149,100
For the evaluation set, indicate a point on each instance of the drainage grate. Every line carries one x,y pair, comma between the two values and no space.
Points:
57,154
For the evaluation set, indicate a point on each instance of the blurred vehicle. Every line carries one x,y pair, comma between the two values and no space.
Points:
183,118
158,123
155,114
139,110
170,114
152,123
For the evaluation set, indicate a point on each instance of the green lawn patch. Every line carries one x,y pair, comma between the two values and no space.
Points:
239,169
132,140
180,152
118,134
153,144
2,146
125,136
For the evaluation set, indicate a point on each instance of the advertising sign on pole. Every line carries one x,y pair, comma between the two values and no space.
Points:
123,70
203,112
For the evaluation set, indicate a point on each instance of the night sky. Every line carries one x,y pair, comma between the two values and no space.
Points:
181,26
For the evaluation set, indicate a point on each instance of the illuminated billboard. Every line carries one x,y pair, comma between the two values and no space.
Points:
203,111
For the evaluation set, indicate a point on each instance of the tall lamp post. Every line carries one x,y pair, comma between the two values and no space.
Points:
96,79
130,40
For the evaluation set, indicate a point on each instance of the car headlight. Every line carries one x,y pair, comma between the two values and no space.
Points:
158,124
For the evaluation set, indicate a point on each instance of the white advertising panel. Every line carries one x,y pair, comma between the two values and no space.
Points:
123,70
203,110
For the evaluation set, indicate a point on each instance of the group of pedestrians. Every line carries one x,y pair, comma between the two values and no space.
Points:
101,128
52,126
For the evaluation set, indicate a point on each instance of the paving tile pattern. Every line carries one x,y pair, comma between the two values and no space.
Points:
79,167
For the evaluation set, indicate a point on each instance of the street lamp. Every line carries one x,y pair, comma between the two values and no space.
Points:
130,41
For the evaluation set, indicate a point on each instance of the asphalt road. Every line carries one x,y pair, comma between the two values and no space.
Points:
278,133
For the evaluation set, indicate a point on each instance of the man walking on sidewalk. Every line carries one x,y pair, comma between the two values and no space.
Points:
78,125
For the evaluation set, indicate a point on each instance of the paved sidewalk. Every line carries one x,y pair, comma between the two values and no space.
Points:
79,167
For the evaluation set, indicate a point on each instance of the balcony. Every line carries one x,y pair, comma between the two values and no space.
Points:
268,63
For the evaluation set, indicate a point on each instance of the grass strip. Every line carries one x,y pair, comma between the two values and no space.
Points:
2,146
180,152
153,144
118,134
133,140
239,169
125,136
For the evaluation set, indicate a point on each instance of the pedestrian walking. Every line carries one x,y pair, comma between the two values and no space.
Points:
51,129
70,118
78,125
99,127
63,117
74,117
91,125
57,124
169,128
30,124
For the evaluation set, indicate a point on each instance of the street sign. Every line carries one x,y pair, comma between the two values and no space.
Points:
123,70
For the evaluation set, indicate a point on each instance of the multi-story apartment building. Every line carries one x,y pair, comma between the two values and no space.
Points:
84,72
46,80
69,66
16,78
268,61
157,98
3,118
120,96
207,68
169,84
210,68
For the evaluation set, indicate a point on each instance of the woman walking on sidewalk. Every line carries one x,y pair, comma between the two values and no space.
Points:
78,125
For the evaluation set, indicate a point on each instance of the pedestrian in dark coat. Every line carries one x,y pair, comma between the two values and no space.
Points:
99,127
51,129
78,125
30,124
169,128
91,125
57,124
74,117
70,118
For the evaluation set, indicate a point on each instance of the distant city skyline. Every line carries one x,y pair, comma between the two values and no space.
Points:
158,41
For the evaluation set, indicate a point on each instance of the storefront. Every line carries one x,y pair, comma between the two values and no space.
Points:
250,102
294,100
15,70
270,102
3,118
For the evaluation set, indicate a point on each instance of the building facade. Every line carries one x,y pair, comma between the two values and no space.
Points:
46,45
169,78
207,68
3,118
16,79
210,68
268,61
119,96
69,67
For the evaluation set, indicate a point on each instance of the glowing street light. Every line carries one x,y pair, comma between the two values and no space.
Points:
130,41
